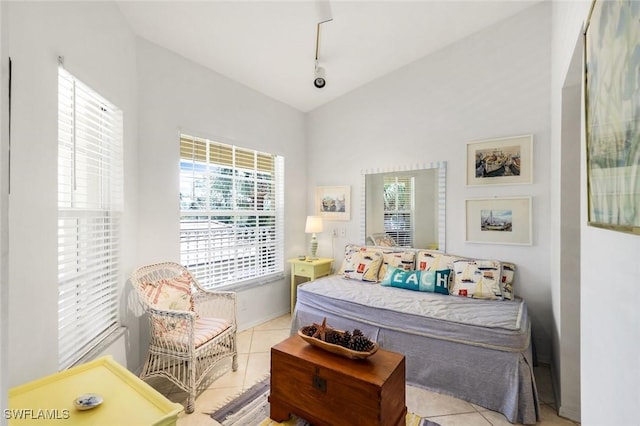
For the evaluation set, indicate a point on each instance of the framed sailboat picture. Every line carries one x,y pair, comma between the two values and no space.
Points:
499,220
500,161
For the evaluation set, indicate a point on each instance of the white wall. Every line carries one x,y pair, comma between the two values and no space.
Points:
176,96
4,210
609,316
493,84
565,231
99,48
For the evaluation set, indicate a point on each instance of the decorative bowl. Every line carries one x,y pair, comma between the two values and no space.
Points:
87,401
337,349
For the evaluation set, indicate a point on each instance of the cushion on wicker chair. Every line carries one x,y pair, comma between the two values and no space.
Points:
205,330
173,294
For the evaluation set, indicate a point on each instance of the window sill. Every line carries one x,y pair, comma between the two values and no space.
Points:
252,283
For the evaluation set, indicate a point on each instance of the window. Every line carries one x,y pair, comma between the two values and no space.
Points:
398,209
231,213
89,218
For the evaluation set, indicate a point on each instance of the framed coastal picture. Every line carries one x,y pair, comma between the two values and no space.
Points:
499,220
500,161
333,202
612,110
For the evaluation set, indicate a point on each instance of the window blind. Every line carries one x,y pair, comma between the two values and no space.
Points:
90,204
399,208
231,212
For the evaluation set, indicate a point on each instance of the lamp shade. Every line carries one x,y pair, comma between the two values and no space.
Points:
314,225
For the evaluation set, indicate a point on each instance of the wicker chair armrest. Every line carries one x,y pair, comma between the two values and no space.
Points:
163,320
218,304
168,313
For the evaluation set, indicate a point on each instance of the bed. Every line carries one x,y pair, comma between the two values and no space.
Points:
476,350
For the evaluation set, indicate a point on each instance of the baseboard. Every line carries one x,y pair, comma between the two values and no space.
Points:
252,324
571,413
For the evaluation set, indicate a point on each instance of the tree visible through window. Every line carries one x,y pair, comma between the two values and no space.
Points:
231,212
398,209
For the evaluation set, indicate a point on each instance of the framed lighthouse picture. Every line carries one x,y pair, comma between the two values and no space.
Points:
499,220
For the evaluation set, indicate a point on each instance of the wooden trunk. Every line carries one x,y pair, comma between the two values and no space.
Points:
327,389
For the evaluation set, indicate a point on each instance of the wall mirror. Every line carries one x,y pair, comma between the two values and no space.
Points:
406,204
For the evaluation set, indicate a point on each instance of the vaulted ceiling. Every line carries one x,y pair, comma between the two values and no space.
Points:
270,46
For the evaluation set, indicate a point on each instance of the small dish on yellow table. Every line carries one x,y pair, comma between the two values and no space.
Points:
87,401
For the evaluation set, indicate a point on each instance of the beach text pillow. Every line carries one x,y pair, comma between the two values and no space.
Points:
428,281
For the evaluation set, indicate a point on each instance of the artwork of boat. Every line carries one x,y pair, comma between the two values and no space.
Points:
498,163
492,224
492,170
515,166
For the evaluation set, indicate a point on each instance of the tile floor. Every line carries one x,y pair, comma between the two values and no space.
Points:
254,347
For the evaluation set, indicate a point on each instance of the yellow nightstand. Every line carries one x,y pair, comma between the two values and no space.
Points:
311,269
127,399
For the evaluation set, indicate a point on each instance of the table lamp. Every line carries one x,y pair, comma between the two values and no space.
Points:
313,226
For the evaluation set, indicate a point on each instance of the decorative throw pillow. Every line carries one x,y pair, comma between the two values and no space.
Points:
410,280
508,270
442,280
172,294
349,250
398,259
431,260
362,265
479,279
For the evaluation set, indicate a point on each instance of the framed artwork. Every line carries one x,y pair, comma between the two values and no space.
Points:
612,96
499,220
333,202
500,161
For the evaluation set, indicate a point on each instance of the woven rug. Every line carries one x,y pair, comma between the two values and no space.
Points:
251,408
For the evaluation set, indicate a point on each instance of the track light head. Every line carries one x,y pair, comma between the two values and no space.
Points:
319,81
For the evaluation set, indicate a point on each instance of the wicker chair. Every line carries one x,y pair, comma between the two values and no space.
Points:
381,239
192,330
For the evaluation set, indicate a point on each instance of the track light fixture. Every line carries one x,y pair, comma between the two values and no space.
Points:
319,80
324,15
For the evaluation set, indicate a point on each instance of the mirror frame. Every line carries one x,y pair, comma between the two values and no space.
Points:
442,195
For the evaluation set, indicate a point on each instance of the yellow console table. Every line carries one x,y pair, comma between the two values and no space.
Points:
127,400
311,269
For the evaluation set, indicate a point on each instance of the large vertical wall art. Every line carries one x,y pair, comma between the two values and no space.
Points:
612,94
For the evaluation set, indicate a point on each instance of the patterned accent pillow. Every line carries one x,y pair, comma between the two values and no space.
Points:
508,271
170,294
405,260
362,265
349,250
410,280
479,279
428,260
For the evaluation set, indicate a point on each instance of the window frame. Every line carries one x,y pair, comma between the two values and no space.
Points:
90,210
244,244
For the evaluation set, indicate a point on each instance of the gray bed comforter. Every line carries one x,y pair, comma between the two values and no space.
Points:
476,350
